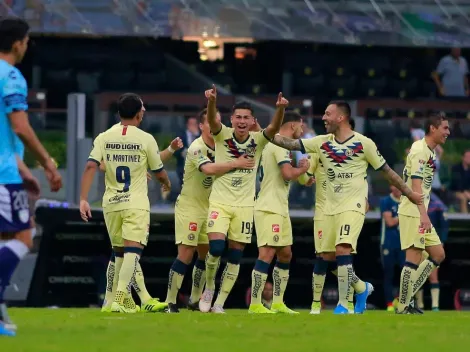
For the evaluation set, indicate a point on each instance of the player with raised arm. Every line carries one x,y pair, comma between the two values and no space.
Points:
14,210
191,212
272,221
233,194
127,152
416,231
345,155
117,256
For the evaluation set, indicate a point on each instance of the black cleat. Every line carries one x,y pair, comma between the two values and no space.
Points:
404,311
193,306
172,308
414,307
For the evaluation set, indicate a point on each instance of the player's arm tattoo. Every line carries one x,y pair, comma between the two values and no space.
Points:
395,179
287,143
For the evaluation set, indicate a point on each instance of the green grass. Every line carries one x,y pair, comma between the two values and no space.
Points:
89,330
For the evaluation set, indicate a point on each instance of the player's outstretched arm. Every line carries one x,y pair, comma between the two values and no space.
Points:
87,180
287,143
276,122
290,173
211,95
176,144
20,124
394,179
219,169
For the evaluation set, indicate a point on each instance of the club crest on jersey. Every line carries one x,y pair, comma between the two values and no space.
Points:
192,226
341,155
276,228
236,152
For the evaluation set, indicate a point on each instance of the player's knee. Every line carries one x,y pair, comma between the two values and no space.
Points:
216,247
202,250
234,256
186,253
285,255
343,249
266,254
438,257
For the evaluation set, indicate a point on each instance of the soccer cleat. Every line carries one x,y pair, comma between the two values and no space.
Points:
107,309
404,311
205,303
154,305
259,309
390,308
361,299
341,310
6,332
282,308
172,308
351,307
5,319
435,309
217,309
414,307
122,308
316,308
193,306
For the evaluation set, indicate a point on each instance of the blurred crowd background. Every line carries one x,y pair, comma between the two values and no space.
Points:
395,61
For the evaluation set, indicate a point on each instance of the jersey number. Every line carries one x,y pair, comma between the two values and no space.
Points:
247,228
123,175
344,230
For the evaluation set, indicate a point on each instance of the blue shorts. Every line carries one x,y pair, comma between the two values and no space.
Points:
14,208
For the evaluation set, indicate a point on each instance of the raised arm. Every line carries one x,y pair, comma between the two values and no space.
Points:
278,117
287,143
211,95
219,169
176,144
394,179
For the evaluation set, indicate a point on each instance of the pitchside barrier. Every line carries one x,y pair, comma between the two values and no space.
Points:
73,256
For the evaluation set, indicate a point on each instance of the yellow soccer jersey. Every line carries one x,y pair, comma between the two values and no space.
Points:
127,152
420,163
346,169
316,169
196,186
236,188
273,196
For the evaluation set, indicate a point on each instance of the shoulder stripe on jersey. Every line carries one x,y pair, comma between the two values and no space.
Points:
416,177
158,170
96,161
264,134
215,134
283,162
124,131
302,148
379,168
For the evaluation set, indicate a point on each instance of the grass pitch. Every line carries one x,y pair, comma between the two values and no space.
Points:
88,330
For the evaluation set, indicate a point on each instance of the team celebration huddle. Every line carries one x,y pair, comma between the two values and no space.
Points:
218,204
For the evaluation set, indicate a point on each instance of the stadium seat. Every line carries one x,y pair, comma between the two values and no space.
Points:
404,88
342,87
378,113
373,87
410,113
118,80
309,85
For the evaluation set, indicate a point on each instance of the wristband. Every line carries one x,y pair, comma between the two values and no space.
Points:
171,150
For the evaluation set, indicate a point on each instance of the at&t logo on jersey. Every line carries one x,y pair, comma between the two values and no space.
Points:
192,226
276,228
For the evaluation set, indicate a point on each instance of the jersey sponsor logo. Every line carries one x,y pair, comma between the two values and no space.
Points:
236,182
207,182
427,181
214,215
421,231
122,146
320,234
338,188
275,228
331,174
235,151
342,155
192,226
119,198
276,238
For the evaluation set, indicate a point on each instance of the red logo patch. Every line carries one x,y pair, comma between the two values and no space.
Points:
276,228
192,226
214,215
320,234
421,230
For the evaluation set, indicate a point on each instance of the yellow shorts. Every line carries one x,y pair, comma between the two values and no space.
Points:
128,224
235,222
318,234
343,228
272,229
411,234
190,230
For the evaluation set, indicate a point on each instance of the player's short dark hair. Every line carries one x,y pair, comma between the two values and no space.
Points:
12,29
352,123
291,116
343,106
243,105
433,120
129,105
202,115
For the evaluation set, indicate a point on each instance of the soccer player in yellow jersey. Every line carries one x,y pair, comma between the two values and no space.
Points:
345,155
416,231
233,194
127,152
117,255
191,212
272,221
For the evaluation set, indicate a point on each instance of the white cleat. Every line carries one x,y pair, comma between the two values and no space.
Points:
205,303
315,311
217,309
